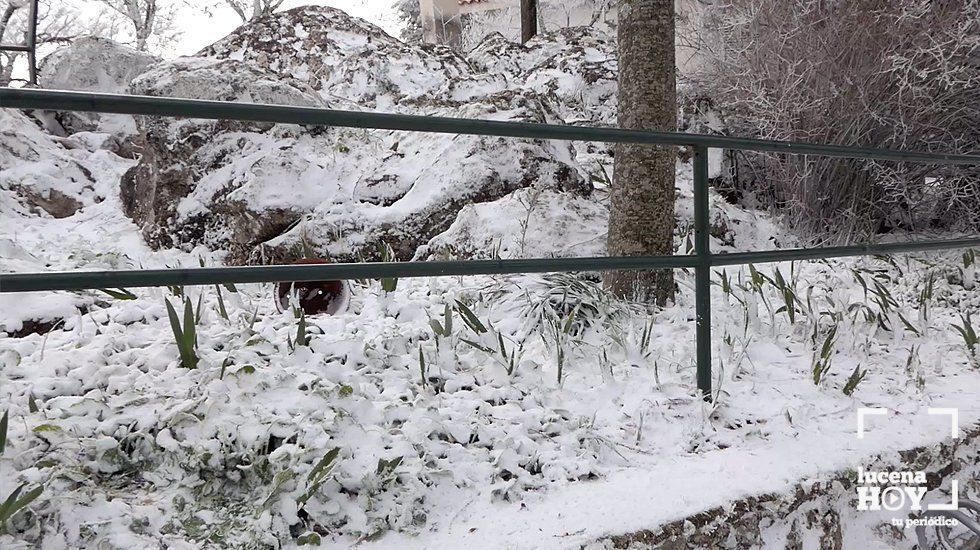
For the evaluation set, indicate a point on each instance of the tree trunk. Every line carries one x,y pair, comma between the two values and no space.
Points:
641,212
529,19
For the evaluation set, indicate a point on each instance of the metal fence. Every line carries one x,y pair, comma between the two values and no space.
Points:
30,42
702,260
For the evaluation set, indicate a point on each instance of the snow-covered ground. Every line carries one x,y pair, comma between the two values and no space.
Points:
134,450
479,412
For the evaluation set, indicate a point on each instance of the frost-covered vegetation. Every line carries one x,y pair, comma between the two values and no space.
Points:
439,392
485,412
897,74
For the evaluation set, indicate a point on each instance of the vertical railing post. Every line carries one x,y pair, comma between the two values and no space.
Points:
32,42
702,273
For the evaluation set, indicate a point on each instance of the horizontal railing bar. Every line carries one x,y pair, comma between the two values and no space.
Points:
90,280
15,48
764,256
164,106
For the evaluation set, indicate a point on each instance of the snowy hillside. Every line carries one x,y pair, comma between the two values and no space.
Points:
477,412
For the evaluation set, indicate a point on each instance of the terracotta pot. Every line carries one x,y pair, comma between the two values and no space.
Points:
328,297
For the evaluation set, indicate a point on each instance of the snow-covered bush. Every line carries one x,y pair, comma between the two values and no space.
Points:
871,73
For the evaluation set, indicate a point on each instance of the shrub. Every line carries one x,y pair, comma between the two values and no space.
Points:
872,73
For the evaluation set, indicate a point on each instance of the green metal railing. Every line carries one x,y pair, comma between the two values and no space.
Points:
30,42
702,260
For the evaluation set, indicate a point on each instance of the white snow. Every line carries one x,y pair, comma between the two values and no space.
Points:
472,445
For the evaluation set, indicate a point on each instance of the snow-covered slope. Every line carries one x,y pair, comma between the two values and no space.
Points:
448,412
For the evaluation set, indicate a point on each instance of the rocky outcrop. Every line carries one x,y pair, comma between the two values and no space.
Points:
196,178
258,190
347,58
576,67
92,64
528,223
38,176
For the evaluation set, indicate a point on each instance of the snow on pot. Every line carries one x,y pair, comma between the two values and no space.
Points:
328,297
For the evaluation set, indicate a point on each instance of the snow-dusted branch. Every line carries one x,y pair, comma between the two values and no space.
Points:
898,74
148,19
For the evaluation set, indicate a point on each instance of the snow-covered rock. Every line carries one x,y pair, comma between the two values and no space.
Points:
45,182
93,64
38,176
576,67
237,186
345,57
190,166
528,223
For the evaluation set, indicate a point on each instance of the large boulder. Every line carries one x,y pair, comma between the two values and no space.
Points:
344,57
92,64
197,178
245,187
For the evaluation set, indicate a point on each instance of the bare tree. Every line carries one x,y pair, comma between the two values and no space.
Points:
147,18
641,211
249,10
901,74
58,21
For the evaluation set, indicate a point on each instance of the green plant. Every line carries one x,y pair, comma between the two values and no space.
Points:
387,254
852,382
559,329
861,281
176,290
821,363
445,328
119,293
727,289
319,474
913,368
470,319
635,345
280,479
925,296
302,336
757,283
221,303
789,296
309,538
14,503
197,313
386,470
186,335
222,310
3,431
970,338
530,200
422,367
544,295
224,366
600,176
499,348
